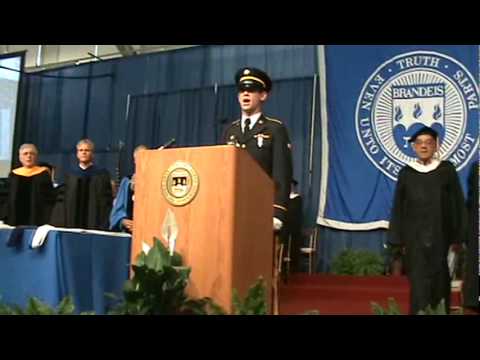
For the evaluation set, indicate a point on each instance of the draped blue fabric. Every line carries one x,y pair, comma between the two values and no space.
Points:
91,100
84,266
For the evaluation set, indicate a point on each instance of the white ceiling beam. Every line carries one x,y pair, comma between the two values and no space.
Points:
126,50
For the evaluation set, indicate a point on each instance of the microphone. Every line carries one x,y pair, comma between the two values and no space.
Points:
167,144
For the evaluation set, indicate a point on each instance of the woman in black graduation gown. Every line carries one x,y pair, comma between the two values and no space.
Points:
30,197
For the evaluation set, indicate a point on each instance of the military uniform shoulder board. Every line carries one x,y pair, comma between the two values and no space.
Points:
274,120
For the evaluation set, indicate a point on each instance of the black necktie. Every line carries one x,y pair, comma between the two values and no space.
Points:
246,130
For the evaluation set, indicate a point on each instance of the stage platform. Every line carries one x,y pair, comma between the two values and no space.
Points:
343,295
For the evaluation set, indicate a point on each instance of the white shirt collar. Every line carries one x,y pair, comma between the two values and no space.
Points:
424,168
83,167
253,119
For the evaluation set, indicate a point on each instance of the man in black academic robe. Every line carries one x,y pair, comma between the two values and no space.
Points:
30,194
428,216
88,192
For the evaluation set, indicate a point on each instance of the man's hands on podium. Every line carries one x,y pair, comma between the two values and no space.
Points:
277,224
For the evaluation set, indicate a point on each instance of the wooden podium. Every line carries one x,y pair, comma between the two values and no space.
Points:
225,232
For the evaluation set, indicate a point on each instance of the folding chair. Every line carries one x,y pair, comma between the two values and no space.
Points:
311,249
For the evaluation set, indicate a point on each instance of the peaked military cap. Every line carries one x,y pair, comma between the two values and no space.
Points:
252,78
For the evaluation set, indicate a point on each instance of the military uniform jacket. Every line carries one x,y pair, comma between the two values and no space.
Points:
268,143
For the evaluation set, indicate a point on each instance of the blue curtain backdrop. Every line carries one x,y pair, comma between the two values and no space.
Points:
91,100
189,95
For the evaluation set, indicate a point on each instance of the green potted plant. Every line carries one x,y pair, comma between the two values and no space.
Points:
37,307
158,287
358,263
394,309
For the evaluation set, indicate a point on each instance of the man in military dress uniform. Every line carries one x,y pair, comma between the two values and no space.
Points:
265,139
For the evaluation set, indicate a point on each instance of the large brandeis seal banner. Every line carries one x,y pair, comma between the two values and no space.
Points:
374,98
